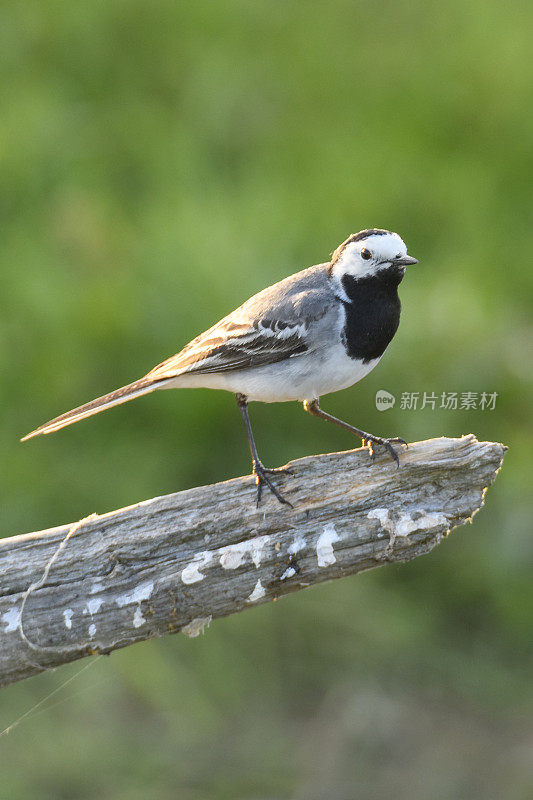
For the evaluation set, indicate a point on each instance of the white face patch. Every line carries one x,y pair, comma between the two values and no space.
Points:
383,249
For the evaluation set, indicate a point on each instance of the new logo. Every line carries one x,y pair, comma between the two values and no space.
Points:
384,400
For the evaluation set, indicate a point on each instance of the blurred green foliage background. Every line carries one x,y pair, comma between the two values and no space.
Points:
159,163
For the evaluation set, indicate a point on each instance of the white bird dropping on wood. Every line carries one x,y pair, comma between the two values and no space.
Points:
324,546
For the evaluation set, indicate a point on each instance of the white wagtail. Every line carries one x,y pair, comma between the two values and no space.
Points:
316,332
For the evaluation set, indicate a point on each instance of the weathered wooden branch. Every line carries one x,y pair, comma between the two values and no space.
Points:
173,563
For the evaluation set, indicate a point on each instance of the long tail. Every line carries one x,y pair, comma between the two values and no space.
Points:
129,392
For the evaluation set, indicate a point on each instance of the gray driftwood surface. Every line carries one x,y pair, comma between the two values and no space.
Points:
174,563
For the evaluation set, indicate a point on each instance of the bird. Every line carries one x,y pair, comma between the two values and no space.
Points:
318,331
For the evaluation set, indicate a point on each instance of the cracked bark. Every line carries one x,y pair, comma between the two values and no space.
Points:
173,563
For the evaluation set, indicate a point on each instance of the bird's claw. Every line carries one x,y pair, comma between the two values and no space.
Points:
278,471
261,479
370,441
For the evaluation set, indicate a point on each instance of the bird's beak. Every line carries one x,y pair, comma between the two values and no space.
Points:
406,261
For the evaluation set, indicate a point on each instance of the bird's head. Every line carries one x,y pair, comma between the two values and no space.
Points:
371,252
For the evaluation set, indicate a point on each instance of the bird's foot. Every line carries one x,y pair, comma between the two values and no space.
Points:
261,479
369,441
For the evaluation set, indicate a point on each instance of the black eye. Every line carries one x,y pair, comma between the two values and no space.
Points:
366,254
399,255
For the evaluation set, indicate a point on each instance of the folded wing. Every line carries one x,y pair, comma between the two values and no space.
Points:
272,326
231,346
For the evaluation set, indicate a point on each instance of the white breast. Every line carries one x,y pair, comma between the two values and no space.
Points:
303,377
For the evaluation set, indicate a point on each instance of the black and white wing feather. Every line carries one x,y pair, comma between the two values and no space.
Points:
272,326
233,345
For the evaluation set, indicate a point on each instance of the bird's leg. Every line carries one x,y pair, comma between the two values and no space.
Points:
261,472
369,440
